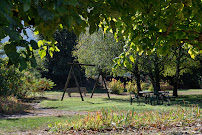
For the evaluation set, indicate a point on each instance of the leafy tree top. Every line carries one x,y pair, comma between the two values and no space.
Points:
146,25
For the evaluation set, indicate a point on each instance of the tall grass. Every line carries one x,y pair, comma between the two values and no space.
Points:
11,105
106,119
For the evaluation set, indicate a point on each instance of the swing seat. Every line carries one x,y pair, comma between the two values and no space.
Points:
75,90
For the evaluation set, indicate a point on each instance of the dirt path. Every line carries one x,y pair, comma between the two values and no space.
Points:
38,111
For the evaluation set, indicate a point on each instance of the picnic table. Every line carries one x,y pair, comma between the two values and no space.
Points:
146,96
160,97
150,97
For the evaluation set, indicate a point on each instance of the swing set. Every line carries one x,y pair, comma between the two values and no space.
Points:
71,72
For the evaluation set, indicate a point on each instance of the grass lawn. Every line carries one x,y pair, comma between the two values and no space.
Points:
32,123
74,103
121,102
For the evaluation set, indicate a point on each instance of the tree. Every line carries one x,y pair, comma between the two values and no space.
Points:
146,25
57,66
98,49
129,61
178,63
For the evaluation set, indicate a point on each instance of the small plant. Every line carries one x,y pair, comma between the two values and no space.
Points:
131,87
21,83
122,120
116,87
37,85
144,86
11,105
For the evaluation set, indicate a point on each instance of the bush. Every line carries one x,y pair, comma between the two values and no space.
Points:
131,87
36,84
116,87
11,81
144,86
21,83
11,105
151,88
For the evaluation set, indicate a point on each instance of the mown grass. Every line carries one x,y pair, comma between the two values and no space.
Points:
95,103
99,101
31,123
115,102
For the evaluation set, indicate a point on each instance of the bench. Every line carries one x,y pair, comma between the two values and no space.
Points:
75,90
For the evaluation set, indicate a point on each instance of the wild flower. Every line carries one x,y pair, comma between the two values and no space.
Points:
116,87
115,119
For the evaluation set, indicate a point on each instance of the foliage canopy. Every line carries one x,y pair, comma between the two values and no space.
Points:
146,25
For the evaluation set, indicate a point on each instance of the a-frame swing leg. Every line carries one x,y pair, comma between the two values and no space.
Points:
106,87
77,84
67,82
94,86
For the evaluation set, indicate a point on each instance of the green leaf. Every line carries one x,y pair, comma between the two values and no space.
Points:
67,21
42,53
14,35
5,6
23,64
23,43
26,5
132,58
127,65
40,43
51,50
11,52
34,44
8,18
45,14
33,61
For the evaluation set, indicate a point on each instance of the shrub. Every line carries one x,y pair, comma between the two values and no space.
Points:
116,87
11,81
151,88
11,105
131,87
21,83
35,84
144,86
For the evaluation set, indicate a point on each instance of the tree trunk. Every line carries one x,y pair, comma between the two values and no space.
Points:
137,75
177,74
152,77
176,80
137,79
157,73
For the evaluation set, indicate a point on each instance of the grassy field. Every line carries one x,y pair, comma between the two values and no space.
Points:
99,101
121,102
30,123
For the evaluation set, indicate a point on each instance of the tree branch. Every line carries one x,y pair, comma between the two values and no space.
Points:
169,28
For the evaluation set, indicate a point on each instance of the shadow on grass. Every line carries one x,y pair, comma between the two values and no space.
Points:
49,108
95,103
126,100
187,100
182,100
12,119
37,99
6,116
